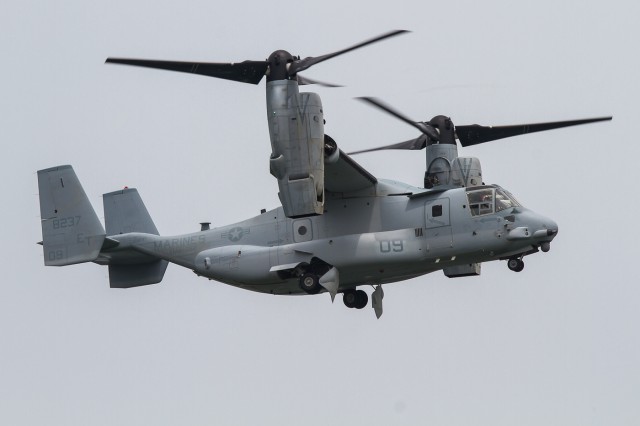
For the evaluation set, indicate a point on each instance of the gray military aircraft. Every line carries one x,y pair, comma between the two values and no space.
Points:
339,226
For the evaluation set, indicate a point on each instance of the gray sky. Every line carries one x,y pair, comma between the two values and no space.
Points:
555,344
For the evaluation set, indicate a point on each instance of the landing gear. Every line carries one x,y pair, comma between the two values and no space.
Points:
349,298
515,264
353,298
309,275
310,283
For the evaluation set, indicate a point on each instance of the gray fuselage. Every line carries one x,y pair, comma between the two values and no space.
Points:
381,237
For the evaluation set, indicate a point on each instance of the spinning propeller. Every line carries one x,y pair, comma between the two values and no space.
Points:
441,129
280,65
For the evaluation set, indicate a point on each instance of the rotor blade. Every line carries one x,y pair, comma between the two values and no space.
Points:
414,144
302,81
424,128
303,64
475,134
244,72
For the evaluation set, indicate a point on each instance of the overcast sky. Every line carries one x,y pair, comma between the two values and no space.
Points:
555,344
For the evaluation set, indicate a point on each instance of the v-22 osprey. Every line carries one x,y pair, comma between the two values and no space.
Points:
339,227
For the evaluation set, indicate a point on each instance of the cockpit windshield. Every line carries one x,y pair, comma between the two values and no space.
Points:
505,199
489,199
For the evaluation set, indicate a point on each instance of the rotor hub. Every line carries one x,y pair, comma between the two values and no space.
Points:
446,129
279,65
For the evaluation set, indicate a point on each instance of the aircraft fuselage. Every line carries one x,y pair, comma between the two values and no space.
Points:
376,238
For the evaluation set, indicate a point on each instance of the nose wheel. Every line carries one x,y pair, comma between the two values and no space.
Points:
353,298
515,264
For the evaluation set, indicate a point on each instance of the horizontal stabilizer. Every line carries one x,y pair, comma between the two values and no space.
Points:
71,230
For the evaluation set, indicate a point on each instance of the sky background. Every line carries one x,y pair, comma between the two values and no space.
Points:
558,343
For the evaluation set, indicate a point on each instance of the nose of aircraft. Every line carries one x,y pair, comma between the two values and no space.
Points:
545,230
535,229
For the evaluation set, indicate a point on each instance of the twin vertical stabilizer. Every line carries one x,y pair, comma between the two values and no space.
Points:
124,212
72,232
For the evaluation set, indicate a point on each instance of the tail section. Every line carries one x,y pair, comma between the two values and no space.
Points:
125,212
127,276
71,230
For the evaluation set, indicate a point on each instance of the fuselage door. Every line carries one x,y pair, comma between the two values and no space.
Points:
437,213
438,223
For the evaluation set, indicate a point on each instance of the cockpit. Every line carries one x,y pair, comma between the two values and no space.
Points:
489,199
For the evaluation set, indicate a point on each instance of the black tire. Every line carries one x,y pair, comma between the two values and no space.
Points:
350,297
361,299
513,264
520,266
310,283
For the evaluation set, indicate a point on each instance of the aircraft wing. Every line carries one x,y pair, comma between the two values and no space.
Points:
345,175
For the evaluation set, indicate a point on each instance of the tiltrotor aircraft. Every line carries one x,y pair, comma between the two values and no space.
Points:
339,226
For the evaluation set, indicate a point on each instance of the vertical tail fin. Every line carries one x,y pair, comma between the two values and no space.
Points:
71,230
125,212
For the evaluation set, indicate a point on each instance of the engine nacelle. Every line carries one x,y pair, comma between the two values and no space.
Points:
331,151
466,171
444,167
296,128
439,159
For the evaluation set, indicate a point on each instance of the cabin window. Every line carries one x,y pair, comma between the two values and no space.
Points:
436,211
487,199
481,201
302,230
504,200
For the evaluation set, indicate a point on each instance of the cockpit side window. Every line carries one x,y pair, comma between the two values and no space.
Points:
481,201
504,200
487,199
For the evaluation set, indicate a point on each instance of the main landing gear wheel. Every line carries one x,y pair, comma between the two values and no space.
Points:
361,299
515,264
349,298
310,283
353,298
